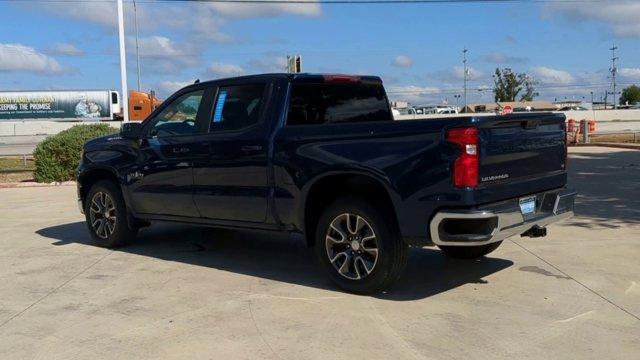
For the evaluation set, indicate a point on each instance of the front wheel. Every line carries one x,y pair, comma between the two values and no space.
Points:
106,215
469,252
359,247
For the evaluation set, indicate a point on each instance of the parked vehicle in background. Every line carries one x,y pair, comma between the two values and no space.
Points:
573,108
406,111
141,104
321,155
62,105
437,109
447,110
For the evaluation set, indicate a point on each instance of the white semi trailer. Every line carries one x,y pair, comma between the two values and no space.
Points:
60,105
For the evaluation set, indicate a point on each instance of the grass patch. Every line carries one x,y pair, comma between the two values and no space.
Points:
16,164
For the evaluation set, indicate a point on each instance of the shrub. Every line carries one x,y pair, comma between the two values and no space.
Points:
58,156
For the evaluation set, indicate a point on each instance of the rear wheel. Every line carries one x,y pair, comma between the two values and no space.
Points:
358,247
106,215
469,252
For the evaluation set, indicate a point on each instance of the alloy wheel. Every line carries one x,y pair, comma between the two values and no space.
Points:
102,213
352,246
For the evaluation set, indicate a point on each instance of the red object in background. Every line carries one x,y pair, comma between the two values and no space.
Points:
571,125
592,126
507,109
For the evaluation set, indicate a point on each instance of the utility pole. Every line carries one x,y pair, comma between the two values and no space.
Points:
613,71
593,108
466,71
123,64
135,20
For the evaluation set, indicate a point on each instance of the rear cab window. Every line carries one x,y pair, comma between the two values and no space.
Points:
312,103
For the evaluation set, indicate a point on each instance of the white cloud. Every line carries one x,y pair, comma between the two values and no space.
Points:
414,94
164,55
403,61
64,49
209,28
102,13
501,58
630,73
18,57
473,74
259,10
169,87
546,75
269,64
225,70
621,15
160,47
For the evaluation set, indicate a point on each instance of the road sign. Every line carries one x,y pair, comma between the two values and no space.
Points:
507,109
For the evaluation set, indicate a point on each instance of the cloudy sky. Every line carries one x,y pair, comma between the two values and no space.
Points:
416,48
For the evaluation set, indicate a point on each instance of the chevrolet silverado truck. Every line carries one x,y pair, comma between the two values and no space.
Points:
320,155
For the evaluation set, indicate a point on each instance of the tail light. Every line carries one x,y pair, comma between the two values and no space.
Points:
465,167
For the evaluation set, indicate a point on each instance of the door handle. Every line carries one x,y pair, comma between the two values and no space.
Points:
251,148
180,150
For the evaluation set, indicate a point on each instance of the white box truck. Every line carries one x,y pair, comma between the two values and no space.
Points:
60,105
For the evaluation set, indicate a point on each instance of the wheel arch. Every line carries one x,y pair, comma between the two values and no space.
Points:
329,187
89,177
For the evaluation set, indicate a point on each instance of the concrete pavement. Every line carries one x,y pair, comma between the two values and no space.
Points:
189,292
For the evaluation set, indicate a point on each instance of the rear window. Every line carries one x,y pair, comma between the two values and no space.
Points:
337,103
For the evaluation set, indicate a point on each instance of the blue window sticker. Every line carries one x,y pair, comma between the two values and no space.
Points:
217,115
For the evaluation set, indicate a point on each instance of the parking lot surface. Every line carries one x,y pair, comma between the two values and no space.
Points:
191,292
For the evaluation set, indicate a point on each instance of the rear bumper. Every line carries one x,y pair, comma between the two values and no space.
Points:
498,221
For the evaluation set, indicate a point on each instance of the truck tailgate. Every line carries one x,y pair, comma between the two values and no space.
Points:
522,149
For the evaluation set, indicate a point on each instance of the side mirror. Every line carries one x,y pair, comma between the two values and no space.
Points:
131,130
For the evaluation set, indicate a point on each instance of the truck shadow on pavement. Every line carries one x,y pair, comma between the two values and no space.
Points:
281,258
607,185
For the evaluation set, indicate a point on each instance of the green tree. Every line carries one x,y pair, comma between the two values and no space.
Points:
630,95
508,85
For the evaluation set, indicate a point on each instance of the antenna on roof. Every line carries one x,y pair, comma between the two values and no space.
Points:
197,81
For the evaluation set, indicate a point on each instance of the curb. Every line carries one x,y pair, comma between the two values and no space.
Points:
31,184
611,145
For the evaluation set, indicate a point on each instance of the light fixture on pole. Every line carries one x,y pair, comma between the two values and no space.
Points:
123,64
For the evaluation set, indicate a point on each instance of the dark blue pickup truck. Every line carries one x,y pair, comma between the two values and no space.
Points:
321,155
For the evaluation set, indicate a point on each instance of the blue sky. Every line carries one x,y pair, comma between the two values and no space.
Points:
417,49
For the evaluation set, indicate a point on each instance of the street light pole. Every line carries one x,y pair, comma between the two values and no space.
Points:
593,108
123,64
135,20
613,71
464,61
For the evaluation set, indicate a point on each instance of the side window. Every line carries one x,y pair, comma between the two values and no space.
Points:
237,107
179,118
337,103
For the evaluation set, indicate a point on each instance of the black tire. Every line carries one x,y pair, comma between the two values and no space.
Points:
391,258
121,232
469,252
